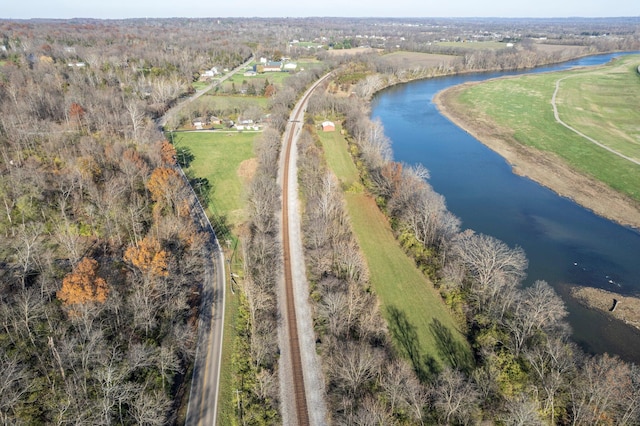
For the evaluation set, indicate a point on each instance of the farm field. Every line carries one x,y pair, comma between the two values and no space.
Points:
422,326
600,103
418,59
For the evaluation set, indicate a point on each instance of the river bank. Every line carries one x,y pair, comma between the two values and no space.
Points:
627,308
543,167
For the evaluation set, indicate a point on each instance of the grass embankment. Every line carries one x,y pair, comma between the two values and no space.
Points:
600,102
225,159
421,324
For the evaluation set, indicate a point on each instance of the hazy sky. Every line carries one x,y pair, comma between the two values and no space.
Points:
107,9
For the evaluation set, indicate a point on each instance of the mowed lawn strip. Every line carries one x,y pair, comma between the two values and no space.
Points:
396,280
217,157
394,276
337,155
520,107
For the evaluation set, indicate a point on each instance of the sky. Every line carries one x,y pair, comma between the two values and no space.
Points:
118,9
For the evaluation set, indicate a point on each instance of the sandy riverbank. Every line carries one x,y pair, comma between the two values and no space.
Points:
627,308
542,167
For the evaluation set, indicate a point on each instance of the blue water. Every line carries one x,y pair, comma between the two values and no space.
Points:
565,243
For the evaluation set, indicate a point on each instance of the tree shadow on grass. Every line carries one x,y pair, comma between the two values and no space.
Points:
451,350
405,334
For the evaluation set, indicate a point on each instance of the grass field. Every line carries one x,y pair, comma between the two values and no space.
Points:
226,160
237,103
414,59
600,102
274,78
217,157
410,303
422,326
199,85
338,158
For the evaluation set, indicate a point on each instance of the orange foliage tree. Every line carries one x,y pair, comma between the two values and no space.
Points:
164,185
167,153
148,257
83,285
76,112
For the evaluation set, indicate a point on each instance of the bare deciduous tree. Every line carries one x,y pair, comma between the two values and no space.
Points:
494,268
455,397
536,308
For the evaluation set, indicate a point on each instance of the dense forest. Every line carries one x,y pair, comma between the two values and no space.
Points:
101,263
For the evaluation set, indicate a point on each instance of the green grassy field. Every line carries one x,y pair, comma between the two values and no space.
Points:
600,102
338,158
229,103
410,303
422,326
274,78
218,157
199,85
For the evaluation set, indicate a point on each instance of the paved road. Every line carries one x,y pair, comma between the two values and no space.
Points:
162,121
203,396
203,400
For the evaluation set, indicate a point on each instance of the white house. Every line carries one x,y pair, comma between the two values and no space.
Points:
210,73
290,66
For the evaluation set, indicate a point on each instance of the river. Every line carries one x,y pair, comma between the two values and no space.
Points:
565,243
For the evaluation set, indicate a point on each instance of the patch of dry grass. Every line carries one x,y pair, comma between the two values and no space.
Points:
417,59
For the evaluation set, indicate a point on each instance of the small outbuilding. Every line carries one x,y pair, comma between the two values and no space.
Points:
328,126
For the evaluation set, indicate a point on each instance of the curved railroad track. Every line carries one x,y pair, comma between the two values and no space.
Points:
296,367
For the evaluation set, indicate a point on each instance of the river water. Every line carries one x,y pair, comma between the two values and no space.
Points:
566,244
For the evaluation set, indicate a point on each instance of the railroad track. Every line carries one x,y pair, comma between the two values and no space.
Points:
301,408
